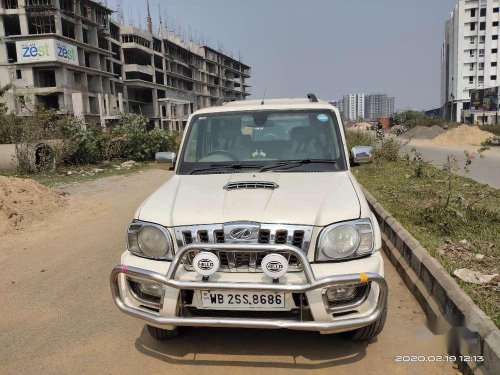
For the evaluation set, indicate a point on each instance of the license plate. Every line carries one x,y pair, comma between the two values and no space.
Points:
242,301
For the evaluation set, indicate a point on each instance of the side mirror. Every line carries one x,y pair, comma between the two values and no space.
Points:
165,160
362,154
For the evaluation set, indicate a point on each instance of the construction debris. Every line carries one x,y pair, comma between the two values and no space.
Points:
24,202
464,135
463,250
128,164
476,277
423,132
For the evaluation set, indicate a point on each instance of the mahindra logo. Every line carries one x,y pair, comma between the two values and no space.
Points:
205,264
240,233
274,266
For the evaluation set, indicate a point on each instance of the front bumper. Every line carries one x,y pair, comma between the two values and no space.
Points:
176,280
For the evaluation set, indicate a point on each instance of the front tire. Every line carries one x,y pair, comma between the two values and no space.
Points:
371,331
162,334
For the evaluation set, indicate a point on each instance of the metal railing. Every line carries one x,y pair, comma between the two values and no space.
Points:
312,283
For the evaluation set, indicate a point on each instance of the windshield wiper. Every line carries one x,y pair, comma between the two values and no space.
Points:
295,163
226,166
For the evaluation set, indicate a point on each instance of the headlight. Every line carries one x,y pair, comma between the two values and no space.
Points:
149,240
347,240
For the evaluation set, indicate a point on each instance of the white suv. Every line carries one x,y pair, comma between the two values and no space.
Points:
262,225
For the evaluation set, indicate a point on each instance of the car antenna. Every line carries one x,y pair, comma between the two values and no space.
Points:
264,96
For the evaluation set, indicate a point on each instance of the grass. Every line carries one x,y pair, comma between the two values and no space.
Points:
419,203
72,174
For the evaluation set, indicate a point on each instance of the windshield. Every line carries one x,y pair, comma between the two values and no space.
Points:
241,141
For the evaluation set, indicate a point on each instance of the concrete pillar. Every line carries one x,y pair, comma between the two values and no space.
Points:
155,106
78,108
101,109
57,18
108,105
120,102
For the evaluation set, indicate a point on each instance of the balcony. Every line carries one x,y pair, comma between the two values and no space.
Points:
144,69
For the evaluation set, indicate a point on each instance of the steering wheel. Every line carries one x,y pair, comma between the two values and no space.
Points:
221,152
270,137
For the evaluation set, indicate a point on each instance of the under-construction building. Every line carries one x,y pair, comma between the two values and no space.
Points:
71,56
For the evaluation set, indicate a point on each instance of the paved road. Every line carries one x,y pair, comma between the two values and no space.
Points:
486,170
57,316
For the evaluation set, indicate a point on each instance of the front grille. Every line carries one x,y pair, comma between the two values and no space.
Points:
244,261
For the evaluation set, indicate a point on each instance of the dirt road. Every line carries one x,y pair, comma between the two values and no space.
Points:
57,316
486,170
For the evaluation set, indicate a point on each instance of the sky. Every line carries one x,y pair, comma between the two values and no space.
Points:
328,47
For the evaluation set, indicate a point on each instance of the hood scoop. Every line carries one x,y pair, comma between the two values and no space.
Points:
251,185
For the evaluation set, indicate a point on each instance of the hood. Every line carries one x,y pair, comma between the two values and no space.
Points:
300,198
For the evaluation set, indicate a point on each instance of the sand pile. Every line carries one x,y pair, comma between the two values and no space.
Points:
423,132
362,126
24,202
464,135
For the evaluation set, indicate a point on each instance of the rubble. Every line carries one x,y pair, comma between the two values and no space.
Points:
423,132
128,164
463,250
476,277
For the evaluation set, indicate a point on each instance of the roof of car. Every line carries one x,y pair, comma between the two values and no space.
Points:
269,104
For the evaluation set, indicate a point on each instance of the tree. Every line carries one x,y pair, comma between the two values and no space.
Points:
410,119
3,90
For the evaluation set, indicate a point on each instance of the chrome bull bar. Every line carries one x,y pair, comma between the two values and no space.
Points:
342,324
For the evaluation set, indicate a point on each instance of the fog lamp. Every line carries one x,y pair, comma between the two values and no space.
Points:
151,289
341,293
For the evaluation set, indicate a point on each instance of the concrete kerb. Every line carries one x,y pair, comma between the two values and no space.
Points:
444,302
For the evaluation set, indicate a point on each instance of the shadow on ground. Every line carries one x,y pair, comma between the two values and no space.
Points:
252,348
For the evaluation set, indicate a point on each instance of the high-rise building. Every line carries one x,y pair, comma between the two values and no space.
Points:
378,105
354,106
340,105
71,56
469,55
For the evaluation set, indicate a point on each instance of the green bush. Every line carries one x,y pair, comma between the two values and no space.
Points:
359,138
387,150
87,145
410,119
138,143
72,143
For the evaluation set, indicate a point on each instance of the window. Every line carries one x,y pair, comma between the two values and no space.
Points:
481,79
495,10
482,39
481,52
472,40
481,66
493,78
482,26
471,66
473,12
263,138
483,12
472,53
495,24
472,26
11,52
494,63
495,37
494,50
471,80
19,74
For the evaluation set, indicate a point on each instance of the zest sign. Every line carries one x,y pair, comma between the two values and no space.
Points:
32,50
46,50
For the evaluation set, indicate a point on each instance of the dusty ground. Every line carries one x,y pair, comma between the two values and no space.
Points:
56,313
24,201
486,170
